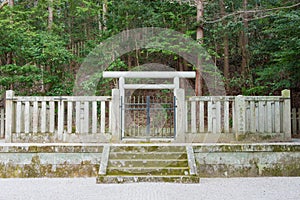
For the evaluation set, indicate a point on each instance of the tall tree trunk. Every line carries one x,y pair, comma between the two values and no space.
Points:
9,55
199,37
226,44
244,40
50,14
104,15
11,2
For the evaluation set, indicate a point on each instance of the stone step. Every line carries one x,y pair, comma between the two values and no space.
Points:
148,155
148,171
148,149
134,179
148,163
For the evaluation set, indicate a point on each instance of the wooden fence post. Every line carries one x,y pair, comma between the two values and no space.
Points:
9,115
115,116
180,115
2,121
286,114
240,116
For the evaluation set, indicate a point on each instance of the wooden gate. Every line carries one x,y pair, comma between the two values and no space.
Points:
149,117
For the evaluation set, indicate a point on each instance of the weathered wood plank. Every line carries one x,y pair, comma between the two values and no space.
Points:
94,117
18,118
78,117
9,115
70,117
233,117
193,117
86,117
261,117
2,122
211,98
209,117
52,117
110,117
218,117
102,123
226,116
27,117
201,116
252,117
43,116
35,117
60,128
277,116
186,111
62,98
149,74
269,117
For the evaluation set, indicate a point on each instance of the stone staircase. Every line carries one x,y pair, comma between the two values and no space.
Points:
126,164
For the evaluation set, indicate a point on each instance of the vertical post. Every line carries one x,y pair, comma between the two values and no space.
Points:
122,99
193,117
176,82
102,124
60,128
116,115
286,114
69,117
9,114
180,115
148,115
51,116
2,122
226,116
201,116
240,115
94,117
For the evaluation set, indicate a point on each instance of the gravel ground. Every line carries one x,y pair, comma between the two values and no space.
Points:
214,188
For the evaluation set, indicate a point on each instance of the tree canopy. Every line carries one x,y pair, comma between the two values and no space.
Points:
255,43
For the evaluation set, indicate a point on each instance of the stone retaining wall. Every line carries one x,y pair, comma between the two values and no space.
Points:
248,160
49,161
213,160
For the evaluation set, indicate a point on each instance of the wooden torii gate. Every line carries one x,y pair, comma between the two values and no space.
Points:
179,93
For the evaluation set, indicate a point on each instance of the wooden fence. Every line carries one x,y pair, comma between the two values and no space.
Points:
296,121
91,115
241,114
56,115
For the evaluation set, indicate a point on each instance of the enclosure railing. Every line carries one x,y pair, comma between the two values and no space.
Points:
210,114
56,115
62,116
240,114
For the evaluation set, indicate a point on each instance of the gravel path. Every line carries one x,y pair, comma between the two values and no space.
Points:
86,188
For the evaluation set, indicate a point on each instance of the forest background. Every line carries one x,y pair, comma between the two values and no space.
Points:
254,43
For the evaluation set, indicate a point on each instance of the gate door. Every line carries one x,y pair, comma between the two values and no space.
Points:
149,117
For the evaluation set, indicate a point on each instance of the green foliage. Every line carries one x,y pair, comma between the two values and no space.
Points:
43,63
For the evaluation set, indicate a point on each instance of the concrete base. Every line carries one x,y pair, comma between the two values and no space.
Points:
136,179
213,160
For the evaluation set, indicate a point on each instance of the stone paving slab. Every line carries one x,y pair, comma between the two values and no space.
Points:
209,189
